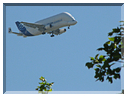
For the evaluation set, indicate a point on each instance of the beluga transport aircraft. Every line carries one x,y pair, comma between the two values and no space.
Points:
49,25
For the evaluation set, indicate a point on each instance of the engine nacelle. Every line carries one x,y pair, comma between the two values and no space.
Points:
48,26
62,31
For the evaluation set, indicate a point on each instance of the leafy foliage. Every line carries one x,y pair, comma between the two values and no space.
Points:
114,49
44,87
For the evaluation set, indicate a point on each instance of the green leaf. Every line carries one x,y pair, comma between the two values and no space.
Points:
110,79
116,56
95,76
102,79
92,58
38,86
106,64
96,72
47,83
52,83
96,61
101,56
118,69
45,89
42,78
111,38
105,47
89,65
116,30
103,72
100,49
96,57
110,33
41,83
98,65
107,78
104,59
117,39
109,71
115,45
97,69
116,76
122,28
50,89
108,42
121,21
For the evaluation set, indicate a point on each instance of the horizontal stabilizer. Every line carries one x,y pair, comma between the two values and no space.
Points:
10,31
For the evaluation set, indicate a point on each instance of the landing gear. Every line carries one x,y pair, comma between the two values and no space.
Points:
68,27
43,33
52,35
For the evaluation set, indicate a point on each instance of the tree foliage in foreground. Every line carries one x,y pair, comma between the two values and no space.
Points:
114,49
44,87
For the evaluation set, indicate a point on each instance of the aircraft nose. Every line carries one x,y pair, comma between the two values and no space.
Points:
75,22
72,22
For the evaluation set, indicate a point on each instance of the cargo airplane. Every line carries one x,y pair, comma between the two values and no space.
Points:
49,25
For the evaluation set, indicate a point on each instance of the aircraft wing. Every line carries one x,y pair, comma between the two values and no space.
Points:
34,25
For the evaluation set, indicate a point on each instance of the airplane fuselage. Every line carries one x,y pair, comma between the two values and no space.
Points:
50,25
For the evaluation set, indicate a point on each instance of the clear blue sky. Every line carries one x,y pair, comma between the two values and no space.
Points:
60,59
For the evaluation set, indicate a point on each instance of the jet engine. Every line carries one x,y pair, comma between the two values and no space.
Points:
62,31
48,26
57,32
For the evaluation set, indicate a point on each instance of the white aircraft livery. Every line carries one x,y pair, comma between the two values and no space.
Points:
49,25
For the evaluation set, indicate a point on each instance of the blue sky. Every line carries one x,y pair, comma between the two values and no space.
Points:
60,59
